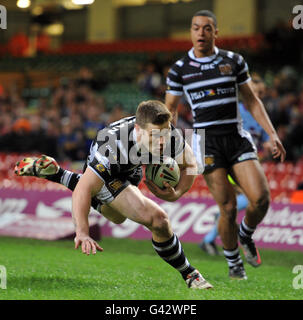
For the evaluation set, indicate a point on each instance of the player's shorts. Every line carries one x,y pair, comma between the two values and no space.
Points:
224,151
115,184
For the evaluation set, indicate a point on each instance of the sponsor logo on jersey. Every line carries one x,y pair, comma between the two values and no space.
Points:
211,92
208,66
116,184
225,69
100,167
220,91
202,94
209,160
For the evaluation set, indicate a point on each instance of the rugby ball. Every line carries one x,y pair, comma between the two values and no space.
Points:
168,170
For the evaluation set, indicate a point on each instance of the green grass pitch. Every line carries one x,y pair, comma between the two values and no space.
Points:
131,270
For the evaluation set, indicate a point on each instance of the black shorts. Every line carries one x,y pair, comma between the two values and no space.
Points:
115,183
223,151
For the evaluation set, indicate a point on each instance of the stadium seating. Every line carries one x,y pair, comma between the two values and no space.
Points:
125,94
283,179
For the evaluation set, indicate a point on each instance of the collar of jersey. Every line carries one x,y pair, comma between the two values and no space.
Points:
204,59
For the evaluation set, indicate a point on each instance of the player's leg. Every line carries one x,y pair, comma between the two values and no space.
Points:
208,243
111,214
252,180
132,204
224,194
46,167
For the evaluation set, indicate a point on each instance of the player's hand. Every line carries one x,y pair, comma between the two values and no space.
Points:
88,245
167,194
278,150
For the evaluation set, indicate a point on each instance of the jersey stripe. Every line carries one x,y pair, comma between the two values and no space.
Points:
210,86
208,82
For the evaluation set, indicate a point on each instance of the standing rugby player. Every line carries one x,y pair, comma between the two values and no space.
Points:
211,79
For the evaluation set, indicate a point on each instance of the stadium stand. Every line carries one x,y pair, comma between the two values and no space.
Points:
283,178
53,92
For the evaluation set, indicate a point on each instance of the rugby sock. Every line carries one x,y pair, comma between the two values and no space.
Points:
67,178
233,257
245,232
70,179
172,252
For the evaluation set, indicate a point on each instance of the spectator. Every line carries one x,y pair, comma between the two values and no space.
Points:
71,143
75,100
51,139
86,79
117,113
149,80
92,124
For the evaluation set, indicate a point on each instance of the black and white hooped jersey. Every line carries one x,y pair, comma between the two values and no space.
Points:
115,151
210,85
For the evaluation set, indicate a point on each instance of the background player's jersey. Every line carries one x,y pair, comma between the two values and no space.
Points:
115,152
210,85
258,134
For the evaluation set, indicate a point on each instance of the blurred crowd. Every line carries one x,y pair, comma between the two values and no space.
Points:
64,124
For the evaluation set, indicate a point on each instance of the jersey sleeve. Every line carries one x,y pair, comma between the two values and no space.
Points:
242,71
174,80
103,161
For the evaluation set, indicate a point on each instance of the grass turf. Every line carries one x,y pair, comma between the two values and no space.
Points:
131,270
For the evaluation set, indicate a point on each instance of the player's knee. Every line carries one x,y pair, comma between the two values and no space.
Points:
262,203
229,211
159,221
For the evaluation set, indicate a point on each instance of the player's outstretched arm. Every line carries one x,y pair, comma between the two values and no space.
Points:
88,186
256,108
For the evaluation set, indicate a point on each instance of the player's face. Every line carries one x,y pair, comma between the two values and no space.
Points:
155,137
203,35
